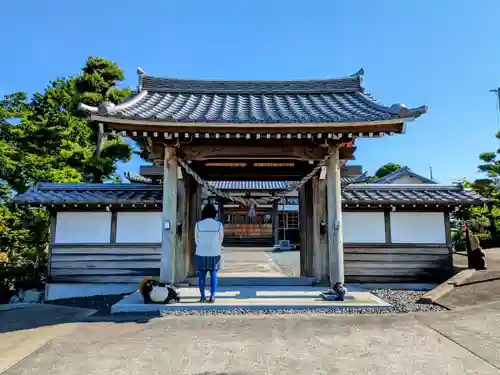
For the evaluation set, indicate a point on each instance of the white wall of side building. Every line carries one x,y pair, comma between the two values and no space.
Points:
363,227
86,259
407,180
418,227
83,227
138,227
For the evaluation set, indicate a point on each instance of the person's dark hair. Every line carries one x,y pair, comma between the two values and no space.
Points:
208,212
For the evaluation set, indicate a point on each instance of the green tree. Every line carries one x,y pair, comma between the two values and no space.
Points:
385,170
481,218
46,138
49,139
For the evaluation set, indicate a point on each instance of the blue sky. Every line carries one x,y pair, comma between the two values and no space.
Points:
445,54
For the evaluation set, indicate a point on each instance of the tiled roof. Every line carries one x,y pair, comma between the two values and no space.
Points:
214,101
250,185
48,194
245,185
402,172
355,180
409,194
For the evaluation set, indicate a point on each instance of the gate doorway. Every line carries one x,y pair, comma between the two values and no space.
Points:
197,131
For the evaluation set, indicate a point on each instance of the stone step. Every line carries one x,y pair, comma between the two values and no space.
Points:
259,281
254,298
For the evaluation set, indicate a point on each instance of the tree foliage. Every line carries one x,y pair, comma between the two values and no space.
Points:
485,218
46,138
385,170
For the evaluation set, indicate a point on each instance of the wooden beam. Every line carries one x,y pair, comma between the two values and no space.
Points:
387,222
178,130
275,221
167,268
52,234
114,222
298,152
334,200
449,241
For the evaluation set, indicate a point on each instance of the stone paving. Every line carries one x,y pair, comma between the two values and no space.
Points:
47,339
249,262
459,342
254,298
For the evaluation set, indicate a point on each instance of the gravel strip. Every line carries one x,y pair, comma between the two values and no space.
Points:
402,301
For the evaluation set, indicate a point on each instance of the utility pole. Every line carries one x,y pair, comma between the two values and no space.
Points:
430,172
497,93
493,228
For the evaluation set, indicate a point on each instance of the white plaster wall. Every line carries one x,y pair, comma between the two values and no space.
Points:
363,227
57,291
83,227
139,227
418,227
407,180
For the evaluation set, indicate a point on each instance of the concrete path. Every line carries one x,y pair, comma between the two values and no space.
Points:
482,287
248,262
459,342
24,329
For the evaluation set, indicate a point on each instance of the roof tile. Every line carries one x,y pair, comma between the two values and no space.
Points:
48,194
215,101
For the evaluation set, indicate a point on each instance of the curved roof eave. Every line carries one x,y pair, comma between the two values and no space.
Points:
397,109
108,108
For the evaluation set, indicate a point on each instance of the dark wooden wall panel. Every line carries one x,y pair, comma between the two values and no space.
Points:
104,264
397,264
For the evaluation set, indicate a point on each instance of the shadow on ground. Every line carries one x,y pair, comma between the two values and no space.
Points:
45,315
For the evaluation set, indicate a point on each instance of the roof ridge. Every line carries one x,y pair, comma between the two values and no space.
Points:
400,172
372,186
95,186
350,83
358,74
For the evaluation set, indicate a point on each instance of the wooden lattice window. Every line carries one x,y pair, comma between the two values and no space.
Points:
293,220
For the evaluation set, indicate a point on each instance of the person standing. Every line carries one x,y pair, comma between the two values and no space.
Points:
209,234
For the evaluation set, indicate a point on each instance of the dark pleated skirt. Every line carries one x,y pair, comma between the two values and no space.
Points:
207,263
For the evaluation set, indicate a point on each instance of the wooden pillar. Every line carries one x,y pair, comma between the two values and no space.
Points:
169,216
334,200
195,201
449,243
306,229
320,263
182,221
302,229
220,204
276,223
310,230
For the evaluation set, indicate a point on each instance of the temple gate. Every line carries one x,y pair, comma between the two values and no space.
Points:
302,132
